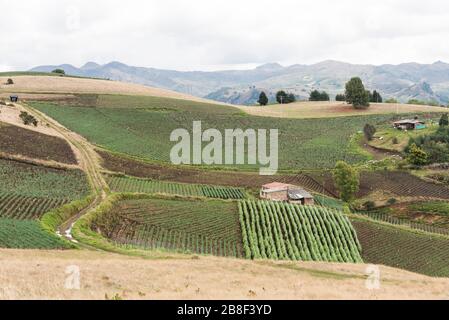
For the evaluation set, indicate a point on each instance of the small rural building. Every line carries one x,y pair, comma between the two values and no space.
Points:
14,98
278,191
408,124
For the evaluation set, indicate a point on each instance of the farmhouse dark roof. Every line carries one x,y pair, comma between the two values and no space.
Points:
298,194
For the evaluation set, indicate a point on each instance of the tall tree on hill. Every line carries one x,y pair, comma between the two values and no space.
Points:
444,121
346,180
356,94
263,99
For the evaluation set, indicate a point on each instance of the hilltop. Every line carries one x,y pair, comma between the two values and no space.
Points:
429,82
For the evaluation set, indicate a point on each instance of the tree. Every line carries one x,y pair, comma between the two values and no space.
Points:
376,97
315,95
417,156
369,130
444,121
282,97
291,98
263,100
356,94
340,97
346,180
59,71
9,81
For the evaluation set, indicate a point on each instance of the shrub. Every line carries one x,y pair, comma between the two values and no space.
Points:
444,120
391,100
340,97
27,118
283,97
9,81
391,201
369,205
369,130
59,71
417,156
395,140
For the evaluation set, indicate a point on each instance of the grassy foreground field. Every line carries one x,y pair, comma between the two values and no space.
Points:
42,275
132,125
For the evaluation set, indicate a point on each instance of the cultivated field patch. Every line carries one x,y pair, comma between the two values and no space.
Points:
274,230
127,184
202,227
19,141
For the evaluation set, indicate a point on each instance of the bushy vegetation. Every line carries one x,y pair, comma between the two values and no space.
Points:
346,179
423,103
316,95
375,97
274,230
340,97
9,81
28,119
431,148
391,100
59,71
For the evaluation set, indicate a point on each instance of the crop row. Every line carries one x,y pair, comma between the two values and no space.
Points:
274,230
125,184
380,216
198,226
22,207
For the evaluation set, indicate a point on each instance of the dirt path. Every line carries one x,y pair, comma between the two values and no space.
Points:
89,163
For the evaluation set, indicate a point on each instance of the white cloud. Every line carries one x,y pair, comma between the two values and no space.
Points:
204,34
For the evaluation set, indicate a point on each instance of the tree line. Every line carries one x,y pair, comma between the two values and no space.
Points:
355,94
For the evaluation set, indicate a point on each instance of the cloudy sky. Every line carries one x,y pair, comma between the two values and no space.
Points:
216,34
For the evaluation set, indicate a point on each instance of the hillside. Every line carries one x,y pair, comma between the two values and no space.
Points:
403,81
55,85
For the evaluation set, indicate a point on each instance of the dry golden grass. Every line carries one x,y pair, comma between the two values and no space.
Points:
304,110
41,84
31,274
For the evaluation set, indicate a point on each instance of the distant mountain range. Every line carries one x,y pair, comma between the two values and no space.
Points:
428,82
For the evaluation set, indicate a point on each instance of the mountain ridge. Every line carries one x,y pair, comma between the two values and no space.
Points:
402,81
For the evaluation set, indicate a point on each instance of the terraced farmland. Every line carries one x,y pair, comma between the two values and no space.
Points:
273,230
203,227
126,125
26,193
127,184
403,249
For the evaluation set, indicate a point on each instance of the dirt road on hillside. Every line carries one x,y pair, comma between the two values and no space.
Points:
89,162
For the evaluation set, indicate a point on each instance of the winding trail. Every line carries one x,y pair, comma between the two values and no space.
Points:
88,161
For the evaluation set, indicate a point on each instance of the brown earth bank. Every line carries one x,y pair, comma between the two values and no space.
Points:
191,175
33,274
19,141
